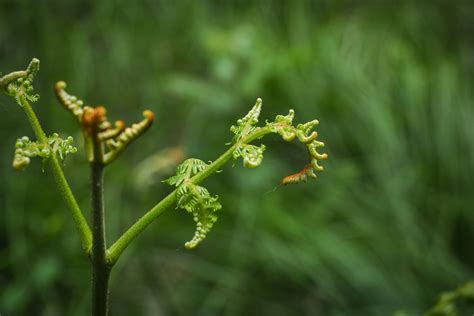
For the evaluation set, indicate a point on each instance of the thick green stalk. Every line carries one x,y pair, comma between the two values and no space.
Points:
122,243
80,222
100,268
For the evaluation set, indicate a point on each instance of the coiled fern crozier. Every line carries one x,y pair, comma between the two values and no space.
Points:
104,142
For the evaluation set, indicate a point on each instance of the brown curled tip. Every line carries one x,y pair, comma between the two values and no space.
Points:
149,115
296,177
119,124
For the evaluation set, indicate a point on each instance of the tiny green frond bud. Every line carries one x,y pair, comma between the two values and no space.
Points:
25,149
252,155
20,162
203,207
33,68
61,147
246,124
185,171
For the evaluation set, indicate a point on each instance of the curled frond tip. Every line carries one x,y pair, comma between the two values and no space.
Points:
19,84
283,125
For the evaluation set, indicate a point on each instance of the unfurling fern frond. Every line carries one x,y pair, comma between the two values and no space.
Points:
185,171
197,200
283,125
245,125
94,123
251,154
203,207
19,84
25,149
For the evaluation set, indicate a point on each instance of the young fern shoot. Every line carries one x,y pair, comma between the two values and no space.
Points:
19,85
104,142
198,201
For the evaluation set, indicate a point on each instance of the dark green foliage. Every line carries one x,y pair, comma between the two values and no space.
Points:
388,226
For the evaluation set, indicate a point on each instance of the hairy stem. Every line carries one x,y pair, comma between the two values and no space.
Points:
80,222
124,241
100,268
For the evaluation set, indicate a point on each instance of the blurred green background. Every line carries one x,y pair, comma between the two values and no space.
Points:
387,226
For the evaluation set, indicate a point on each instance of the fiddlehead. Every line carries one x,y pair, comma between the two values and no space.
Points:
113,139
283,125
20,83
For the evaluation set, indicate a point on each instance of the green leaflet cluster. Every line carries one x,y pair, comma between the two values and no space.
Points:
195,199
186,170
20,84
25,149
198,201
252,155
246,125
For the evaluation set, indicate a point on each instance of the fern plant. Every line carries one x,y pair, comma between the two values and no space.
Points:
104,142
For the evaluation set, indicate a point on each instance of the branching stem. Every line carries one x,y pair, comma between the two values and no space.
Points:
80,222
124,241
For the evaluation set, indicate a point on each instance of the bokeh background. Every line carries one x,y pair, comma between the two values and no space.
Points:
387,227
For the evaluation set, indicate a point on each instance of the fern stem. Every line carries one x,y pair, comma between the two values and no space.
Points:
100,268
128,236
124,241
80,222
